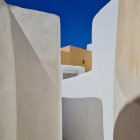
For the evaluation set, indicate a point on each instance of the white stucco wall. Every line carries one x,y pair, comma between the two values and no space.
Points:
99,82
127,72
30,101
81,116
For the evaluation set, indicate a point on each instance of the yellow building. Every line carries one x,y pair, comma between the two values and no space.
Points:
71,55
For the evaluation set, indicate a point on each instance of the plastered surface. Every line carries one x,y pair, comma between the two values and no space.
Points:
30,102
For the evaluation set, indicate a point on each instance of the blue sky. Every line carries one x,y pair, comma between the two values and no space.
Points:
76,17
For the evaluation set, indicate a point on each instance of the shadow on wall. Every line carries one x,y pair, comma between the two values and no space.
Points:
82,119
127,126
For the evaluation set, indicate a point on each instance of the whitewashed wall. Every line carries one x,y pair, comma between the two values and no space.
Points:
127,72
30,101
99,82
81,116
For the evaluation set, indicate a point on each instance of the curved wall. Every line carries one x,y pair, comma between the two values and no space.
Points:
127,72
81,116
30,102
99,82
127,125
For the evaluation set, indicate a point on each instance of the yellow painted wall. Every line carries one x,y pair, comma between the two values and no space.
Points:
76,56
65,58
